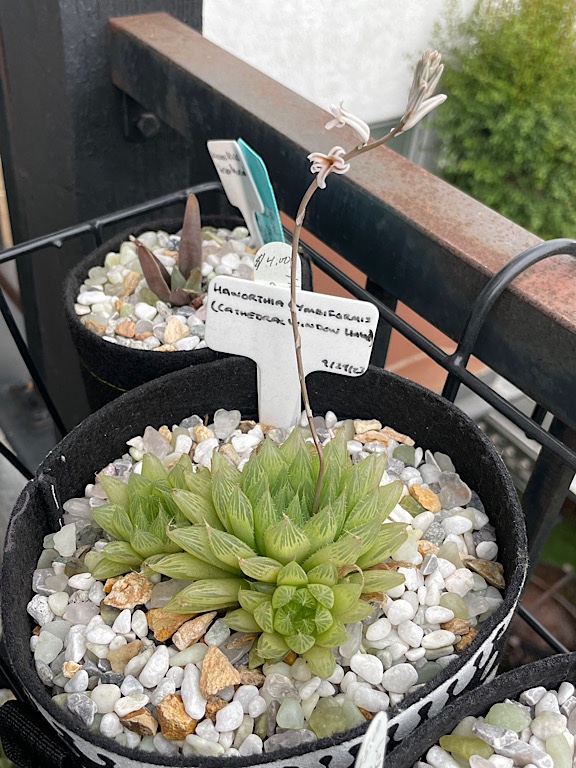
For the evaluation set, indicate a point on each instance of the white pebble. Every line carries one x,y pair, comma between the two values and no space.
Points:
123,622
139,624
400,678
440,638
368,667
129,704
156,667
194,702
105,697
487,550
229,717
399,611
410,633
110,725
436,614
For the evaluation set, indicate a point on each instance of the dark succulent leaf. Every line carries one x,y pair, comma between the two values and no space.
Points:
179,297
283,497
154,271
190,249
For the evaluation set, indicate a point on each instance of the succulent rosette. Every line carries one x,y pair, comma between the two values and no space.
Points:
251,545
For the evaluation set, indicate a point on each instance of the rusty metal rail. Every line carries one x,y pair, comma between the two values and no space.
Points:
414,236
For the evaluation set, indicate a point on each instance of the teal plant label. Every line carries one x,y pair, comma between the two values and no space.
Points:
373,748
272,264
238,183
269,219
253,319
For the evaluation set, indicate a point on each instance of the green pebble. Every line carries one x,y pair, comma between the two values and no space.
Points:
126,310
427,671
108,613
510,716
148,296
114,290
134,266
449,551
405,453
260,726
410,504
559,750
74,566
454,603
60,699
48,542
466,746
464,727
468,514
331,717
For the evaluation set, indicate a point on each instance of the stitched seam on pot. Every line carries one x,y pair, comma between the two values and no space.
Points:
102,381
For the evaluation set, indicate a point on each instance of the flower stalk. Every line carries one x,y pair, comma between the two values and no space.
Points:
420,102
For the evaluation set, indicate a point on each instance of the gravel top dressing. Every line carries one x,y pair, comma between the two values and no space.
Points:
156,680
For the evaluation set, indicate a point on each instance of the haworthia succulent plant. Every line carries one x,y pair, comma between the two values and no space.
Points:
250,545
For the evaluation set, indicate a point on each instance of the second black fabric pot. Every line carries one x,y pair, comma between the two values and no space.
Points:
109,369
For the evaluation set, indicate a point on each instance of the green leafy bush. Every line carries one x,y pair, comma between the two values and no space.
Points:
508,128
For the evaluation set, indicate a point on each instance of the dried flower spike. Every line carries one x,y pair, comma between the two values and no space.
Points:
342,117
325,164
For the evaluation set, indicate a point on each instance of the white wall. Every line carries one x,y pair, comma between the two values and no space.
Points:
362,51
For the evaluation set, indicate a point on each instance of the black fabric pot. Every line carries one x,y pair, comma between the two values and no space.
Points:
547,672
109,369
231,383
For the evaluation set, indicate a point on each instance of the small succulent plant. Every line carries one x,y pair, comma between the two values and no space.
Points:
184,285
137,516
297,577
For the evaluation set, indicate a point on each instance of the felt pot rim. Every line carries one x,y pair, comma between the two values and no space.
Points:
515,569
550,671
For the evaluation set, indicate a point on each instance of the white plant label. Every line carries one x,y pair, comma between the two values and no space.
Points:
238,183
253,319
272,265
373,748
